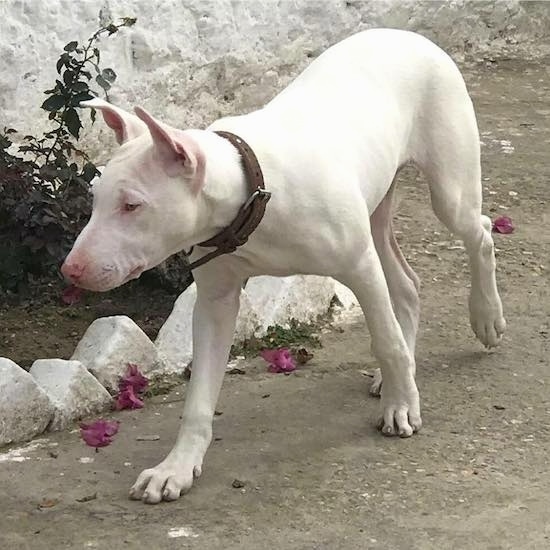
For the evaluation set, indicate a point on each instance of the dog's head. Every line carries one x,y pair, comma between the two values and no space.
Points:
145,205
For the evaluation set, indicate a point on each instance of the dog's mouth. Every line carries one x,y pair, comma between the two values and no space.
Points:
108,282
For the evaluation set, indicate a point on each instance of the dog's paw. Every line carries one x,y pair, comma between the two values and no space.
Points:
167,481
400,410
376,384
487,321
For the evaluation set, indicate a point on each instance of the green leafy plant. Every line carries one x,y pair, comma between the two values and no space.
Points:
296,335
44,182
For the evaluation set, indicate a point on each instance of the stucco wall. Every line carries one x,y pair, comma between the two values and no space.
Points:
193,60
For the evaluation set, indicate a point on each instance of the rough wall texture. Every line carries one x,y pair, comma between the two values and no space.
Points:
191,61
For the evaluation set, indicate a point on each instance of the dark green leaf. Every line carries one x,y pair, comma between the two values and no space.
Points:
80,86
109,75
93,115
53,103
87,74
111,28
102,82
71,46
77,98
59,86
68,76
96,53
63,60
129,21
89,172
72,120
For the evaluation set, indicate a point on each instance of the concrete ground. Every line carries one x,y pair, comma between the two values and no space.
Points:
316,474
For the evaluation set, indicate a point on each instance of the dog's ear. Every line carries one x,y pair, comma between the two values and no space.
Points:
125,125
179,153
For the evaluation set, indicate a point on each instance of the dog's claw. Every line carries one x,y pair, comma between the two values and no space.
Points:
400,416
167,481
376,385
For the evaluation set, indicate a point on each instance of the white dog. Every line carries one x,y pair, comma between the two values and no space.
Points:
330,146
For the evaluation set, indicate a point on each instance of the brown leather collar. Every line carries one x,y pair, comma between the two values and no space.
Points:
249,215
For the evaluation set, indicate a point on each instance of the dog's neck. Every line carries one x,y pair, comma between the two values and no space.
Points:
225,188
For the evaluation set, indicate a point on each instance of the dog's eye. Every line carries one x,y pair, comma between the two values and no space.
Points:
130,207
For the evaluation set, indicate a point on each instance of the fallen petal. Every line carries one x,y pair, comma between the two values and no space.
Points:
503,224
279,360
99,433
127,399
270,355
71,295
133,378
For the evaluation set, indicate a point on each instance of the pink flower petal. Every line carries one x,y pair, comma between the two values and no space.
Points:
99,433
503,224
72,295
270,355
133,378
279,360
127,399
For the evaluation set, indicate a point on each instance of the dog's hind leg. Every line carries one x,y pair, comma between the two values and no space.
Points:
451,162
403,283
399,397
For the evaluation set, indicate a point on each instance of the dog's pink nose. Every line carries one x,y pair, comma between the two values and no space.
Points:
72,271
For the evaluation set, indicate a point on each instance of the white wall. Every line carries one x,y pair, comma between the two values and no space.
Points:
192,60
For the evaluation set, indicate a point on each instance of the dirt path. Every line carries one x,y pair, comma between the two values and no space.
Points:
316,474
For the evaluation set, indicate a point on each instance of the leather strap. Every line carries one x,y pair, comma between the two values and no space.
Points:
250,214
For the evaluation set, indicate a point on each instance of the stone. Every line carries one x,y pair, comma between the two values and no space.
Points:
174,340
74,392
277,300
25,408
345,296
110,343
265,301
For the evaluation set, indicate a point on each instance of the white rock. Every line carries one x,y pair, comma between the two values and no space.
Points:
25,409
266,301
277,300
248,320
347,308
174,340
110,343
74,392
345,296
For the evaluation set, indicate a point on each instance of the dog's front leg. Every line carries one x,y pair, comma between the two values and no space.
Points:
399,397
214,319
